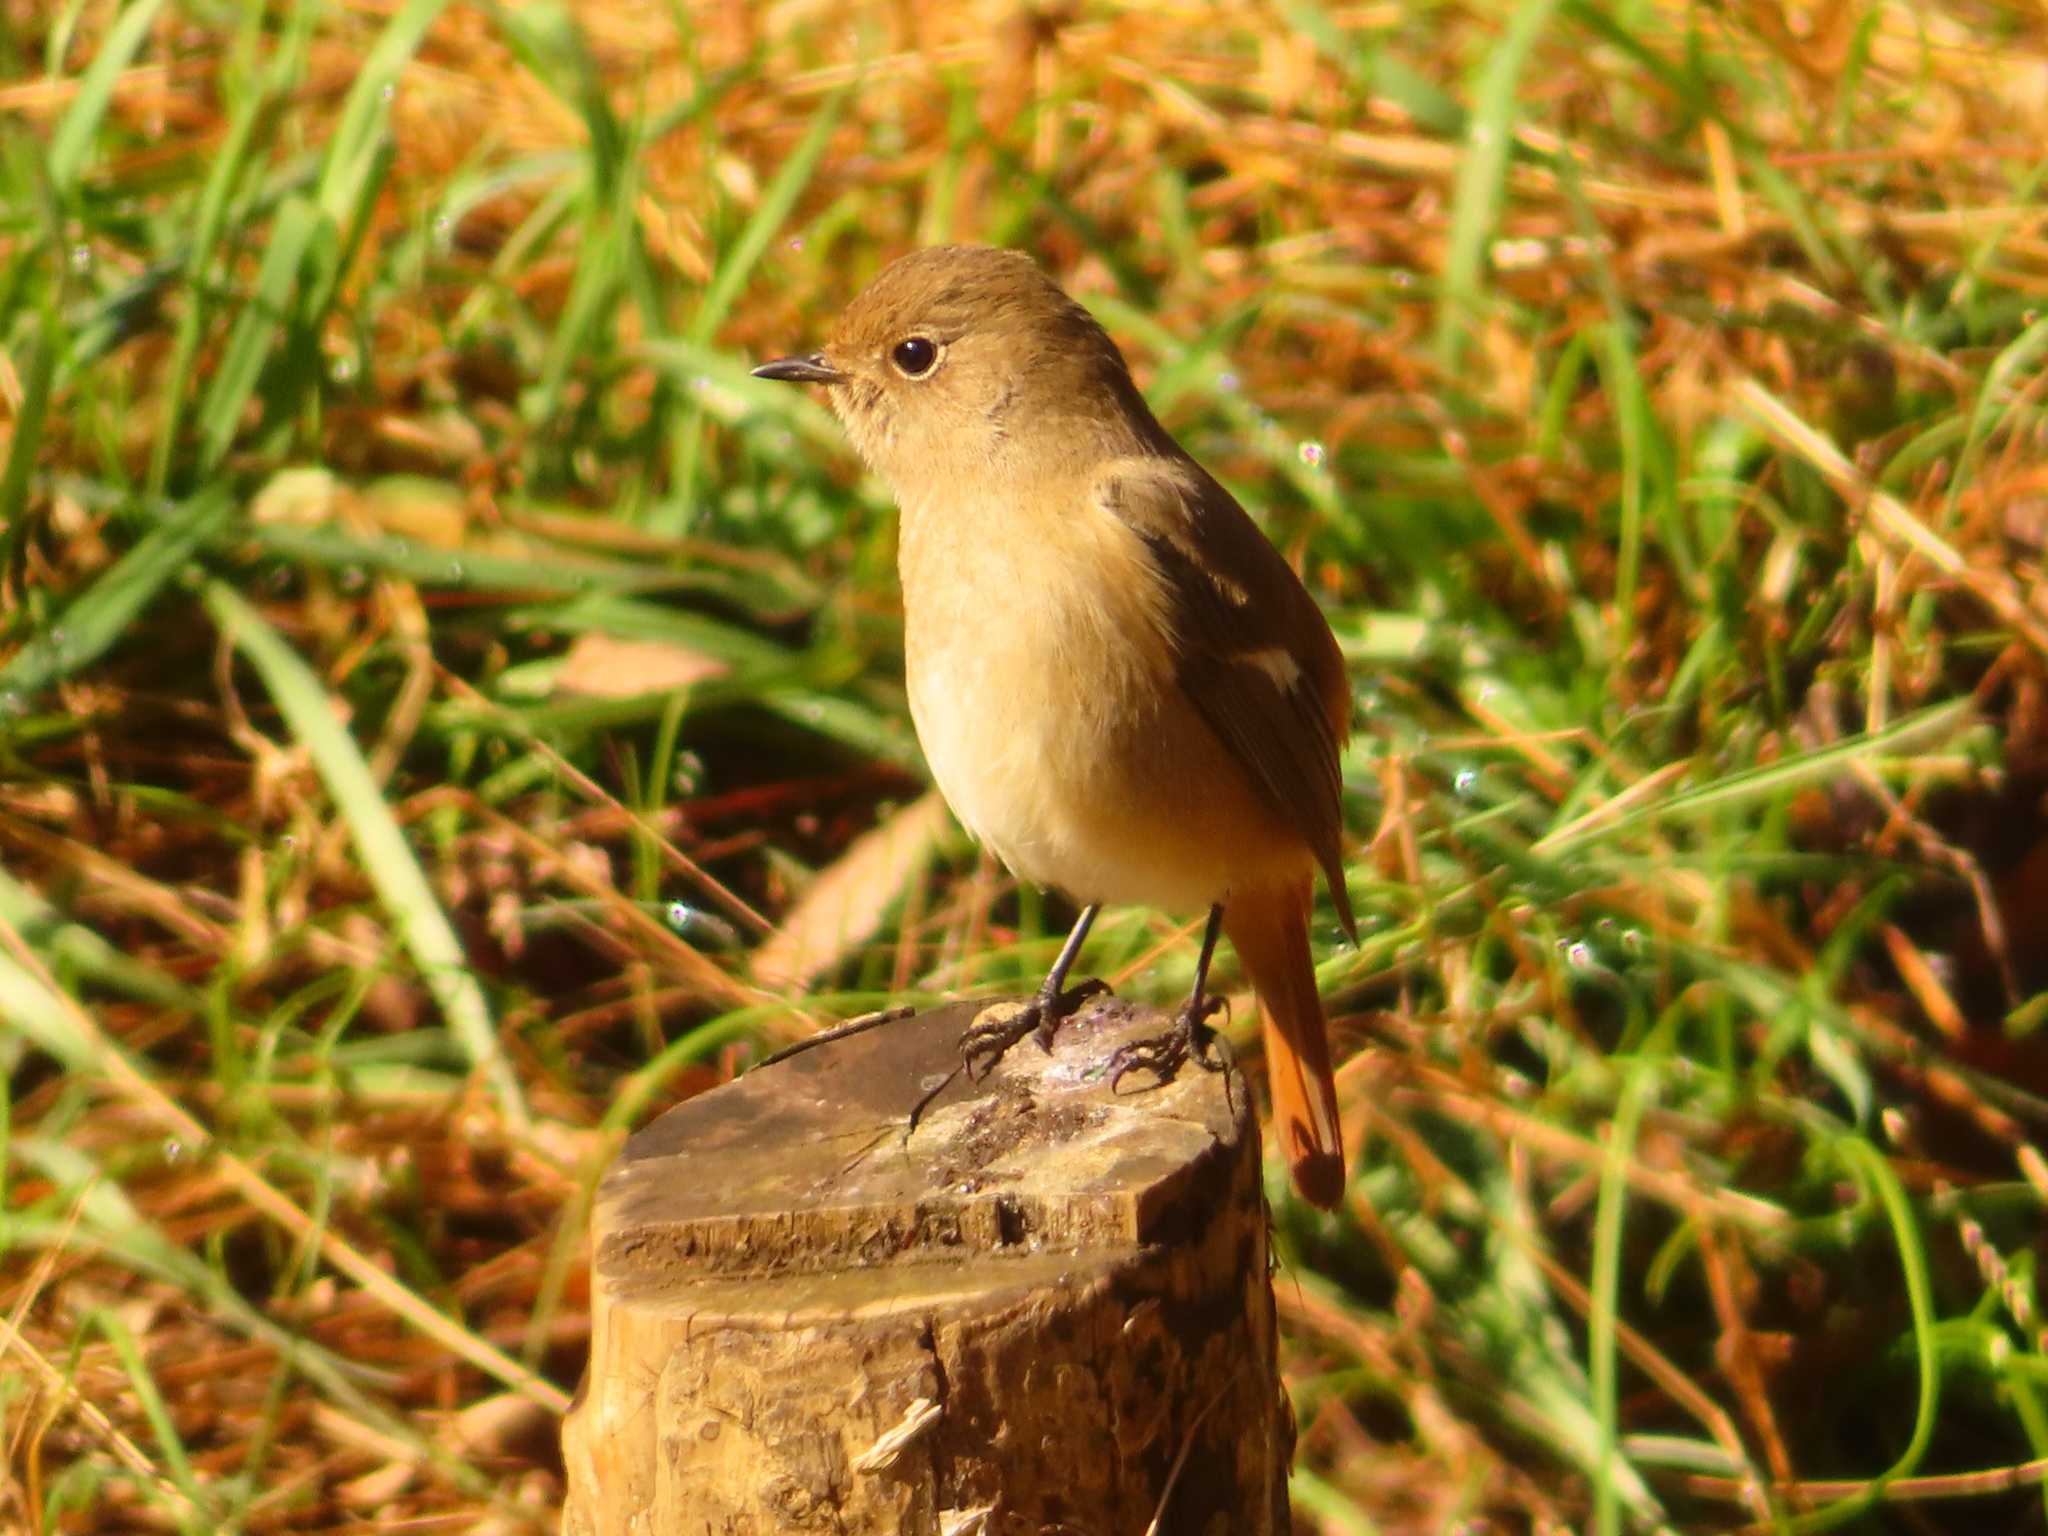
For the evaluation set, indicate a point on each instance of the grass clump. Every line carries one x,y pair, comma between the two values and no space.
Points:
443,702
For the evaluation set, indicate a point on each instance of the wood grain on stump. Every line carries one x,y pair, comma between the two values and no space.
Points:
1048,1310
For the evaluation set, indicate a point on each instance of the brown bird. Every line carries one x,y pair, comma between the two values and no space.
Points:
1121,687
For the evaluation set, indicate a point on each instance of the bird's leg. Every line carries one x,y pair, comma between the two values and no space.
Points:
1162,1055
985,1044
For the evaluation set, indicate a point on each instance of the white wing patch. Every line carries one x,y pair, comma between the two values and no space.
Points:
1276,662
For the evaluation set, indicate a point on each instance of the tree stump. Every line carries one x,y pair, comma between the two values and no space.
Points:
1047,1310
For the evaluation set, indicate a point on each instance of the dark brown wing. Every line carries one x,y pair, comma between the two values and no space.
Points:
1254,653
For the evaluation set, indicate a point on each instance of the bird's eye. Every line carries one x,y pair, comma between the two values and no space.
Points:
915,356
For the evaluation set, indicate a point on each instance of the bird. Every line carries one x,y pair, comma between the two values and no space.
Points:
1121,687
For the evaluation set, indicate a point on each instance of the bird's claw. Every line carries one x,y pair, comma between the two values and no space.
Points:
1163,1055
986,1044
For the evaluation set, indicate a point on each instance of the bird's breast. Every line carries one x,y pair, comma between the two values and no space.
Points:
1040,668
1027,657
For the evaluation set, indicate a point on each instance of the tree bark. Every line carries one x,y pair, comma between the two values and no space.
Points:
1047,1310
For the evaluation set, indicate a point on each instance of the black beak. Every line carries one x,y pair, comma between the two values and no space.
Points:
801,370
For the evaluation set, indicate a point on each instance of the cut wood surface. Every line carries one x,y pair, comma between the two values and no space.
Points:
1047,1310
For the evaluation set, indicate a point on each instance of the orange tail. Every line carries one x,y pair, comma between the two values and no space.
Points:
1269,930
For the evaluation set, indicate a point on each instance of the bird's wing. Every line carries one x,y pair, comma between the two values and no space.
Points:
1253,653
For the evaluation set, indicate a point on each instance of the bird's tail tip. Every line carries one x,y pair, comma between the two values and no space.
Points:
1269,929
1319,1176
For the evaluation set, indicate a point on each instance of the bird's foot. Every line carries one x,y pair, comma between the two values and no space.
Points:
983,1045
1190,1038
986,1044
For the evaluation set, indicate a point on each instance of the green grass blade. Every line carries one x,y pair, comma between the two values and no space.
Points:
1875,1174
1637,1088
78,948
26,1005
740,396
552,45
1821,765
97,1219
337,549
256,329
2013,371
209,219
1482,174
768,218
358,137
686,436
177,1463
1701,97
311,239
390,863
27,437
93,621
71,146
602,262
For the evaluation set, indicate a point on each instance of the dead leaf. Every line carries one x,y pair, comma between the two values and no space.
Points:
844,906
599,666
297,498
505,1424
429,512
